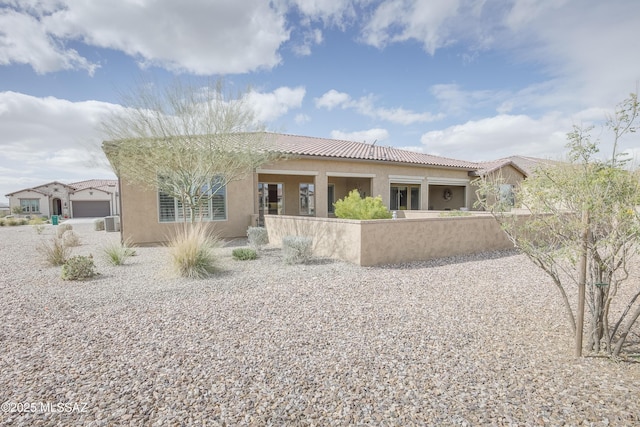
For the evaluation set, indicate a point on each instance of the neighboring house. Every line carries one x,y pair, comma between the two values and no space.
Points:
84,199
316,173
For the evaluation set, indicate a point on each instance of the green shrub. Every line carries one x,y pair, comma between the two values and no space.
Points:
12,222
117,253
257,237
244,254
70,238
98,225
355,207
62,228
296,249
37,220
54,251
78,268
193,251
2,224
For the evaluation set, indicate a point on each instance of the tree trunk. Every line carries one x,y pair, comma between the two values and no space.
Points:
625,332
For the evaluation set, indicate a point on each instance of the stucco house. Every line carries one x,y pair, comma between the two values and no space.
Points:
83,199
316,173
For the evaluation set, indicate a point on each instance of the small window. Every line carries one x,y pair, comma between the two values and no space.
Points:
331,197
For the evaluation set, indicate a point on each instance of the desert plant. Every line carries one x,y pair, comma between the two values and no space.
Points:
37,220
193,251
39,228
54,251
12,222
257,237
296,249
16,210
244,254
70,238
117,253
355,207
62,228
2,224
78,268
98,225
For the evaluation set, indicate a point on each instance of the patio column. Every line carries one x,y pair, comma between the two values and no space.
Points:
321,196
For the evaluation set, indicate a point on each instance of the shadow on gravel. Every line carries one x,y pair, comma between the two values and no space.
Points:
460,259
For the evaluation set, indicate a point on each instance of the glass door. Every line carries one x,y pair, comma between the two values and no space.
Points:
270,200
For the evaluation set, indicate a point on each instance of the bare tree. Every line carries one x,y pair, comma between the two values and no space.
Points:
582,229
186,141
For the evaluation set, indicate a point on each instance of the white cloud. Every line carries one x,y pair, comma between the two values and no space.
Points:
23,40
365,105
218,37
368,136
46,139
302,118
311,37
272,105
500,136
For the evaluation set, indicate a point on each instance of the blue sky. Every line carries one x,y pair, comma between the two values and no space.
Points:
468,79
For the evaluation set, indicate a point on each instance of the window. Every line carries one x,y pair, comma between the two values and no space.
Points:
30,205
212,208
404,197
507,197
307,199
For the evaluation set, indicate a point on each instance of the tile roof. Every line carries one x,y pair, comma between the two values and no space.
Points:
323,147
94,183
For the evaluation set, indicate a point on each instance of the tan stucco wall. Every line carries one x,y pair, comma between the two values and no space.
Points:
392,241
140,222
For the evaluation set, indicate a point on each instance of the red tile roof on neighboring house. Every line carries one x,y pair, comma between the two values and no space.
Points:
323,147
94,183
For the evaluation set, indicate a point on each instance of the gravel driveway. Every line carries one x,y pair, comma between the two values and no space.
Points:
478,340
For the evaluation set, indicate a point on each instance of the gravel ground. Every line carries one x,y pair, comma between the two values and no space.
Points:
477,340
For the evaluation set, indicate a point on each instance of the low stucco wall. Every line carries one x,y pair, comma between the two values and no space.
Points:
392,241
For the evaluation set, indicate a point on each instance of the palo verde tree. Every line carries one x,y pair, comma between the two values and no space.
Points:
582,228
186,141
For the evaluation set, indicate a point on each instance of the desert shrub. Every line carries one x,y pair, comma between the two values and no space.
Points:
193,251
244,254
70,238
78,268
12,222
2,224
39,228
296,249
257,237
117,253
62,228
37,220
54,251
98,225
355,207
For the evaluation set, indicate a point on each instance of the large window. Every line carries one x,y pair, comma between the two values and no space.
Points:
213,206
30,205
404,197
307,199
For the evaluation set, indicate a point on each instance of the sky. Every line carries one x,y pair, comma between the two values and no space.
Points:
466,79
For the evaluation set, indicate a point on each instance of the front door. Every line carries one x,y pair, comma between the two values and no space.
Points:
270,200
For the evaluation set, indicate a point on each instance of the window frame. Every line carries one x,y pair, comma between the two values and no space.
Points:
175,206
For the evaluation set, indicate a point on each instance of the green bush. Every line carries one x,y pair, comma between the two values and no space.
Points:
257,237
2,224
55,252
70,238
62,228
78,268
355,207
98,225
296,249
244,254
117,253
193,251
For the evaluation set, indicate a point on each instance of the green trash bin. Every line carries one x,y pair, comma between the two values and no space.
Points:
54,219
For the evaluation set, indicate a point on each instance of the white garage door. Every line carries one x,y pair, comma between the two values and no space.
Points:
91,209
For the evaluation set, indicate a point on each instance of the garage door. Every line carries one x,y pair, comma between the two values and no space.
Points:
91,209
